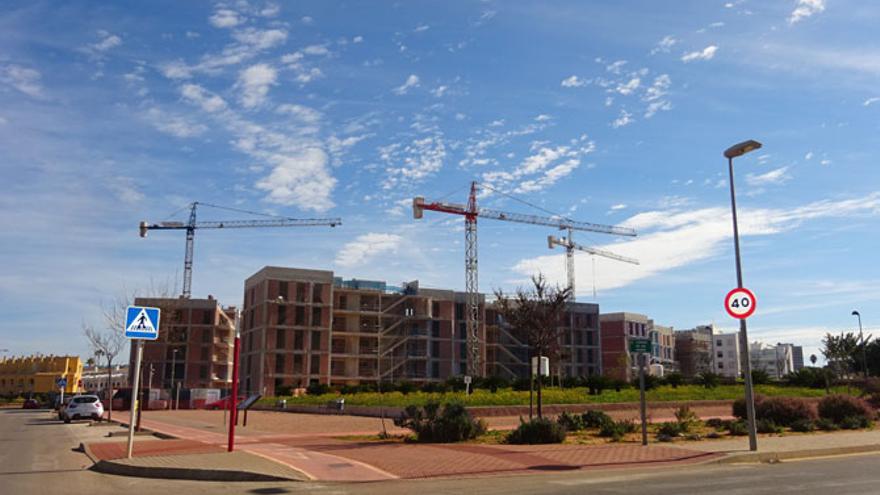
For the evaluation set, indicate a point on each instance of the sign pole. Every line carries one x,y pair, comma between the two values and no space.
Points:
134,395
642,406
233,412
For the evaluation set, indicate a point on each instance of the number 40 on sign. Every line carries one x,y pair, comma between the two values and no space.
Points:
740,303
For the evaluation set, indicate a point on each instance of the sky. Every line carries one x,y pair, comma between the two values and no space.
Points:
607,112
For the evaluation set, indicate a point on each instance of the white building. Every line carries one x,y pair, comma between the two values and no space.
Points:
726,360
94,378
777,360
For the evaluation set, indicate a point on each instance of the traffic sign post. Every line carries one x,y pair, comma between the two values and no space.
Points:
61,382
740,303
141,323
642,348
639,346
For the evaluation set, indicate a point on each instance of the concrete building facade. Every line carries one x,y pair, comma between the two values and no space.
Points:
726,357
663,343
776,360
301,327
616,331
37,374
693,348
797,355
194,347
94,378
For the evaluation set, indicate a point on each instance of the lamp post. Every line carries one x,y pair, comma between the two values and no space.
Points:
173,366
862,338
731,153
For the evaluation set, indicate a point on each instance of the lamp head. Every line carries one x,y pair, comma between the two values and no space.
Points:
856,313
742,148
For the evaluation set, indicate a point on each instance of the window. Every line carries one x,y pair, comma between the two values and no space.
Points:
279,338
279,363
300,316
207,317
205,354
459,311
343,301
316,365
435,309
719,354
315,343
435,328
206,335
297,364
719,343
435,369
462,350
720,365
435,348
298,344
203,372
589,338
282,290
317,293
282,314
316,317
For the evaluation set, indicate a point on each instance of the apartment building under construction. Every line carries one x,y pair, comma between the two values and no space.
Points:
308,326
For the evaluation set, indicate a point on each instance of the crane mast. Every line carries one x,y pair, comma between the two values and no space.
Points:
570,246
192,225
471,212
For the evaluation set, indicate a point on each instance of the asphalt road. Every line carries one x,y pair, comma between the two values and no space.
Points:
37,456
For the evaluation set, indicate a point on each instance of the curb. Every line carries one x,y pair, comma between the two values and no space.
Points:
773,457
110,467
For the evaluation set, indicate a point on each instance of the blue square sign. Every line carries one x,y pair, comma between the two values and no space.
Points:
142,323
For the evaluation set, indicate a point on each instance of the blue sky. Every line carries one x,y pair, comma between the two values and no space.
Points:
113,113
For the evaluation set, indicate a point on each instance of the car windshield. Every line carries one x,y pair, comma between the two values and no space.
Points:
85,400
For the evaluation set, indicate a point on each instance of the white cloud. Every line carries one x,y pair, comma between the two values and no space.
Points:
808,156
226,18
175,125
302,113
307,20
259,39
125,190
209,102
366,247
671,239
705,54
664,45
775,176
616,67
255,82
543,168
22,79
421,158
624,119
316,50
300,178
619,206
806,8
270,10
439,91
107,42
825,162
629,86
411,82
357,39
573,82
871,101
421,28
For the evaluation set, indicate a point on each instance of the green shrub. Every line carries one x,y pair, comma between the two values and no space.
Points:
318,389
807,377
492,383
537,431
595,419
767,426
674,379
406,387
686,418
596,384
617,429
839,407
825,424
652,382
781,410
855,423
440,424
708,379
738,428
760,377
571,422
717,423
669,429
803,426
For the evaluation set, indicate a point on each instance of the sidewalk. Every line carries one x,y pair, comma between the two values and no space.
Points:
775,448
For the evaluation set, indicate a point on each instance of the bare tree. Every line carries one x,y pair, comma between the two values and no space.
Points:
535,316
108,343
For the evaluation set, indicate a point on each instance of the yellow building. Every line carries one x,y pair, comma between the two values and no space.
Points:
20,375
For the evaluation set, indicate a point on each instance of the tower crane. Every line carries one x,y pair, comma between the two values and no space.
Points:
471,212
191,226
570,246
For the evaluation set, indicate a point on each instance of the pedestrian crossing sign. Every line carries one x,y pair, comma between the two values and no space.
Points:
142,322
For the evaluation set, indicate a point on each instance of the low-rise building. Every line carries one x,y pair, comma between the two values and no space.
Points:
94,378
776,360
663,345
617,329
797,355
726,358
38,374
693,349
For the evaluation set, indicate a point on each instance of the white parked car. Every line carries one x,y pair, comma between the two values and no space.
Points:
82,407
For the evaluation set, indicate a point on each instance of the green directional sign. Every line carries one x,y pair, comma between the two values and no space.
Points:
640,345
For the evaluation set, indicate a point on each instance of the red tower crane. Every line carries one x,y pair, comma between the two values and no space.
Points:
471,212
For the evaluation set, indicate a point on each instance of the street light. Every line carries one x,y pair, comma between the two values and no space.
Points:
173,366
862,338
731,153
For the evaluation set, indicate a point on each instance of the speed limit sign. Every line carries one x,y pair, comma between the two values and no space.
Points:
740,303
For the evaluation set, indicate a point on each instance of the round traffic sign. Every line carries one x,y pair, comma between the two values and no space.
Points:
740,303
